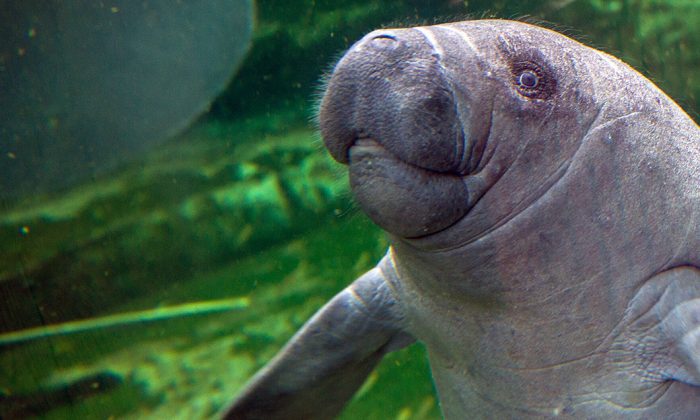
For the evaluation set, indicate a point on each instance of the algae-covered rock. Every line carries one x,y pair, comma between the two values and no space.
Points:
190,367
199,203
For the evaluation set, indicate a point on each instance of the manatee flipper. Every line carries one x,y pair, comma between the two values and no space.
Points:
322,366
665,332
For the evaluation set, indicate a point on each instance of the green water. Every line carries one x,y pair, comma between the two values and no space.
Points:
245,203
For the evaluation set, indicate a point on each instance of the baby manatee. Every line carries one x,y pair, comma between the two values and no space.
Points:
542,200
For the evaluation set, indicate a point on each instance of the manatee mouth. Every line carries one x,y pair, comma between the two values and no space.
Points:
404,199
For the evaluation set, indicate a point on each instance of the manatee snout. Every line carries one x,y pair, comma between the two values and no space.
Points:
390,114
391,87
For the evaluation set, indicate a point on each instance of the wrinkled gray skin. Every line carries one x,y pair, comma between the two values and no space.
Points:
543,204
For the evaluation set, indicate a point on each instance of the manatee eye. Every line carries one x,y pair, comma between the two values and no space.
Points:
532,80
528,79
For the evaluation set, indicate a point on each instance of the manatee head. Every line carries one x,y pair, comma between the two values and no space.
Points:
448,130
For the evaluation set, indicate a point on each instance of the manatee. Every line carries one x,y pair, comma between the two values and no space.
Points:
542,201
86,85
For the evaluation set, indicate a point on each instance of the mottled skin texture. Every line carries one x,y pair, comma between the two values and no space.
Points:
543,204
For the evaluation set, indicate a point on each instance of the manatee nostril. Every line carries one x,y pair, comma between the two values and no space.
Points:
384,36
383,41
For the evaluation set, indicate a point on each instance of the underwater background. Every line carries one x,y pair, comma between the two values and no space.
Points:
152,277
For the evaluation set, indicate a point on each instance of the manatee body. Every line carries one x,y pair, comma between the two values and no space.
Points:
543,204
86,85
